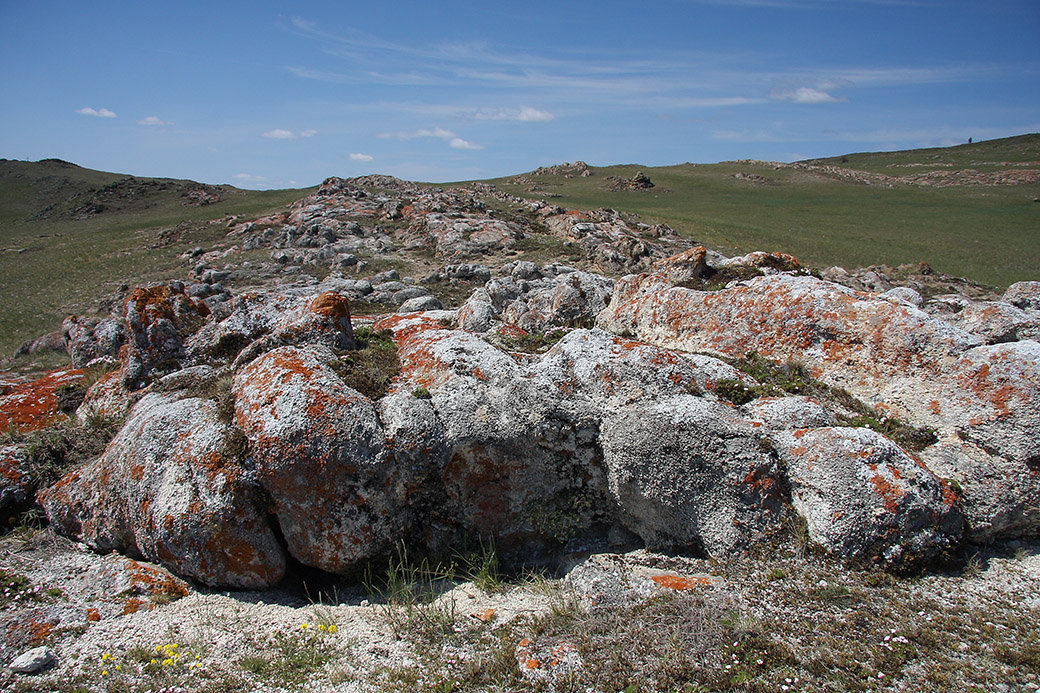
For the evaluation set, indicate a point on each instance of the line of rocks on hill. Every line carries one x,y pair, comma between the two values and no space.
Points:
349,219
934,179
243,446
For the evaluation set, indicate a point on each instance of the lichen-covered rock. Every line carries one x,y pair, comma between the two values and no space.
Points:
864,498
788,412
30,404
15,484
688,472
259,322
107,397
88,338
158,319
171,487
906,362
319,452
1024,295
505,458
536,299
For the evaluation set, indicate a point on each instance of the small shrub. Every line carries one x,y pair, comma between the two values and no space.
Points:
421,393
372,365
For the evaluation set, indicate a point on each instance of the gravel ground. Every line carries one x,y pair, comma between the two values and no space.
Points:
775,622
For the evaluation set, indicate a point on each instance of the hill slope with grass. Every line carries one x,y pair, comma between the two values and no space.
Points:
962,213
71,235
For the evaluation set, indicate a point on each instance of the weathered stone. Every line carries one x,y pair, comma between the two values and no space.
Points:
15,482
420,303
158,320
1025,295
864,498
171,487
319,452
688,473
33,661
87,339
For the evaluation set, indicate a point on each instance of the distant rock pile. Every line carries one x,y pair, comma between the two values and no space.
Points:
567,170
640,181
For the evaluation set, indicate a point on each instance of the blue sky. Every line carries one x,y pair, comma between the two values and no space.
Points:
274,94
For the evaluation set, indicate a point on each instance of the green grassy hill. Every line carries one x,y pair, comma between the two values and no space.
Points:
990,233
70,235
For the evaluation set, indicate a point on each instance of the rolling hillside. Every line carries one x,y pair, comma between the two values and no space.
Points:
853,210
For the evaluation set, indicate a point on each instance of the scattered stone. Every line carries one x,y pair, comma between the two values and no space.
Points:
33,661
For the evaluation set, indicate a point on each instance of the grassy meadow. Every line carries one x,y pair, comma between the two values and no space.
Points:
54,264
988,233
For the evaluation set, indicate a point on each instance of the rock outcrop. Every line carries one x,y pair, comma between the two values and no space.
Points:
556,410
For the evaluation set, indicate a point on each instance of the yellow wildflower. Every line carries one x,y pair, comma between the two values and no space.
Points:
332,628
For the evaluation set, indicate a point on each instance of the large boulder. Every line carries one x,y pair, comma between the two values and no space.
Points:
689,472
318,450
172,487
864,498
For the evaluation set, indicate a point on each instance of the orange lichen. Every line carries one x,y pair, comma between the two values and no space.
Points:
680,583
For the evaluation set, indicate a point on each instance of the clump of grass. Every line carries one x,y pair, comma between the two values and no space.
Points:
791,377
55,449
716,279
372,365
409,593
289,659
536,342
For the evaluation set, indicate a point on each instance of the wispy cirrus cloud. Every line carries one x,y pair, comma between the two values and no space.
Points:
453,140
154,120
524,114
280,134
96,113
803,95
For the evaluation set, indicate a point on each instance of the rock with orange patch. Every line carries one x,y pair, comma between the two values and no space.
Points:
158,319
688,472
864,498
319,452
30,404
506,455
171,488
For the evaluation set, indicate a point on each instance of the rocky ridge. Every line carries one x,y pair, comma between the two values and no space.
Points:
558,409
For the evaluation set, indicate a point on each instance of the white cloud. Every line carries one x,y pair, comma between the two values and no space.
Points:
525,114
249,178
280,134
154,120
439,133
453,140
357,156
98,113
803,95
